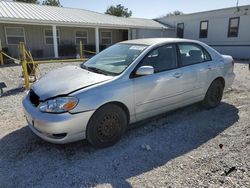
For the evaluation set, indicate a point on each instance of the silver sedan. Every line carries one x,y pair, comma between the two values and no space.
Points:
126,83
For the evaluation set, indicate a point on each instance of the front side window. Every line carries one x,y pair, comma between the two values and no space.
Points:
48,36
180,30
106,38
233,27
81,36
203,29
14,35
162,58
115,59
193,54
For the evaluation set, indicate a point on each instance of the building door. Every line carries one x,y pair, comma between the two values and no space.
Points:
124,35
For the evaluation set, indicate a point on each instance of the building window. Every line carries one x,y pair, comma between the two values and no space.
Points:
233,27
106,37
203,29
14,35
81,36
48,36
180,30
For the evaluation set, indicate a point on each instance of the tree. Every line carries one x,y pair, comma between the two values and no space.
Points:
52,3
28,1
119,11
175,13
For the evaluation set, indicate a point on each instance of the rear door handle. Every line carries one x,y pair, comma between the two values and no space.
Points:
177,75
209,67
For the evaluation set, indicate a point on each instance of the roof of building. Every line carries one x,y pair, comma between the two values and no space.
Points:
42,14
239,9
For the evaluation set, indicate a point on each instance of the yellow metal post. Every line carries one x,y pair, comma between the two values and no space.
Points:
81,50
1,55
24,65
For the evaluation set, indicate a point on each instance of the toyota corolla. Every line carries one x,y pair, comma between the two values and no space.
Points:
126,83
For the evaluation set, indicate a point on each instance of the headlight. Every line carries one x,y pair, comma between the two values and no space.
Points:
59,105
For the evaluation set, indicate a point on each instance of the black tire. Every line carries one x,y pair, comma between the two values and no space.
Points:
214,95
106,126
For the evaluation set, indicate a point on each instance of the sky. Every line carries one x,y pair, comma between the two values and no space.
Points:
154,8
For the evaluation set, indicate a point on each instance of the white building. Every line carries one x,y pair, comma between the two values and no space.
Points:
227,30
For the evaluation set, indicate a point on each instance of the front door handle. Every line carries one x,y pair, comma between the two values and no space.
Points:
177,75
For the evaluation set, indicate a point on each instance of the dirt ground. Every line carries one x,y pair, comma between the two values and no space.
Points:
190,147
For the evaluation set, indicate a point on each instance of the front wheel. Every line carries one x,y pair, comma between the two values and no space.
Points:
214,95
106,126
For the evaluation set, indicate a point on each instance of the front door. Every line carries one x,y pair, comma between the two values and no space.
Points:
156,93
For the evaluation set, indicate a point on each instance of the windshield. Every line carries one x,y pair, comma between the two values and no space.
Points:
115,59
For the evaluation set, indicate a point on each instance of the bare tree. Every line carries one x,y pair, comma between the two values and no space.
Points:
174,13
52,3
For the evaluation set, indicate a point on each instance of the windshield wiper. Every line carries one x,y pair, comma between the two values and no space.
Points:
93,69
96,70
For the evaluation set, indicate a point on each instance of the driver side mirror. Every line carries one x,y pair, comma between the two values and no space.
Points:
144,70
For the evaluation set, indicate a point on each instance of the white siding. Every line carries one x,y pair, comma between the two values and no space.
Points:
238,47
152,33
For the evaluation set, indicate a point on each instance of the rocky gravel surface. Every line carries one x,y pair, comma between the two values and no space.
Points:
189,147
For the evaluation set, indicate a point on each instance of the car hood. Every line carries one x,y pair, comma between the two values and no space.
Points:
66,80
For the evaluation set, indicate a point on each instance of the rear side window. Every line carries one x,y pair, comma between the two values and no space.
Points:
162,58
193,54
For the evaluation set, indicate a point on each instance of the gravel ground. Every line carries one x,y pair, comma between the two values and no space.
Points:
190,147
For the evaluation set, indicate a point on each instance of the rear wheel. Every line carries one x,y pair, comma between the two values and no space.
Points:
106,126
214,95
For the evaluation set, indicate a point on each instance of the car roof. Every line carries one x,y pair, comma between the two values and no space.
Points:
153,41
159,41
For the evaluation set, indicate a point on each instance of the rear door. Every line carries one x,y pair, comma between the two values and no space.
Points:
196,69
155,93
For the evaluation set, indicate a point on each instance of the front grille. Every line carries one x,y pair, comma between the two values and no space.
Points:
34,98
